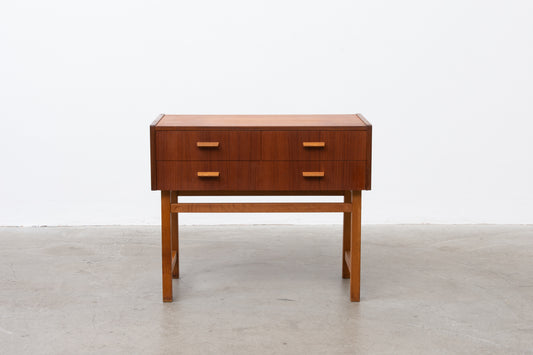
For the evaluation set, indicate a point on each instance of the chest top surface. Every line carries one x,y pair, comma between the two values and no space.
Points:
334,121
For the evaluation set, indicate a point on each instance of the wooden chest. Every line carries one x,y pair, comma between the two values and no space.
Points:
261,153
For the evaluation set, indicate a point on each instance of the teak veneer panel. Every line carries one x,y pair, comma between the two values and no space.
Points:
232,145
183,175
287,175
260,175
289,145
249,138
179,122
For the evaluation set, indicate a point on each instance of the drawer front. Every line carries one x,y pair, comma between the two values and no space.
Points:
313,145
262,176
311,175
205,175
208,145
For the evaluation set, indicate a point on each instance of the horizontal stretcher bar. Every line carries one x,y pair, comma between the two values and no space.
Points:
260,207
260,193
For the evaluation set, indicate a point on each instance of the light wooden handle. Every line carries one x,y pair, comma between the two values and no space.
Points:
313,174
208,174
314,144
207,144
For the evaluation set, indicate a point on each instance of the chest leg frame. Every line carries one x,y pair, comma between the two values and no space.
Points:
351,241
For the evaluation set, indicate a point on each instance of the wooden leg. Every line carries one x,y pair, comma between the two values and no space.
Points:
175,237
346,235
166,246
355,253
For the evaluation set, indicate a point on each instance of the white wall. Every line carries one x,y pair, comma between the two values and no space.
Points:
448,86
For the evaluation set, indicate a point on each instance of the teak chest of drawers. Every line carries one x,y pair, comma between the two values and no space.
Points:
193,155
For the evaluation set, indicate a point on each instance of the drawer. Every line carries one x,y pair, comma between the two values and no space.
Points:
311,175
263,176
232,175
208,145
313,145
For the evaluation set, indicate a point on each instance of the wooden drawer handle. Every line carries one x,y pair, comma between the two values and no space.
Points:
313,174
208,174
314,144
207,144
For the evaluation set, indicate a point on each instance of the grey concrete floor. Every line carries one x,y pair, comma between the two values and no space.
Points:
267,289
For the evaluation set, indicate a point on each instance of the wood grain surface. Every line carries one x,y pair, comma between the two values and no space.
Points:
198,155
284,207
232,145
272,158
184,122
260,175
166,246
